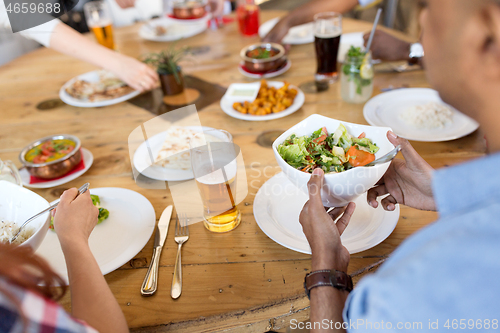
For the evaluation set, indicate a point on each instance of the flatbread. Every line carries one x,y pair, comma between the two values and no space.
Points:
174,153
108,87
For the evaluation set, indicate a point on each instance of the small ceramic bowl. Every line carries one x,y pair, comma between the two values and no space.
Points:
57,168
191,9
339,188
263,65
19,204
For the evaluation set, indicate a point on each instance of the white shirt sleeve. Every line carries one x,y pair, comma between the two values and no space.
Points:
365,2
40,33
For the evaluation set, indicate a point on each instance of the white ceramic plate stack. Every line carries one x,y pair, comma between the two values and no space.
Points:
175,29
115,241
386,109
93,76
226,105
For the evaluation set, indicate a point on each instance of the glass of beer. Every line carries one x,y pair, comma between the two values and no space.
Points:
213,159
100,23
327,32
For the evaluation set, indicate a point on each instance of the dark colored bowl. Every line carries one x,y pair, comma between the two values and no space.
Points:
263,65
189,9
57,168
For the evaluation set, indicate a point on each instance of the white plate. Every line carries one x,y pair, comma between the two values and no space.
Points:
91,77
385,110
301,34
175,30
227,106
266,75
115,241
277,206
88,159
346,41
142,158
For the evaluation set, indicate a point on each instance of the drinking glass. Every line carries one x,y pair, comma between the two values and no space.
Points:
213,160
247,13
356,78
327,32
100,23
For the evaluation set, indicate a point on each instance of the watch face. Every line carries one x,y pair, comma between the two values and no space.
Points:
416,50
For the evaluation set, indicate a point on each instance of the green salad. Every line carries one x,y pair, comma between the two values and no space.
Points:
334,152
103,212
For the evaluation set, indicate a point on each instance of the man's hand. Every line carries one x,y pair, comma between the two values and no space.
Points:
135,73
387,47
321,231
75,218
278,32
407,182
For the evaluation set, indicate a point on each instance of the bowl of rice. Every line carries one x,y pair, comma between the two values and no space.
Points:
17,204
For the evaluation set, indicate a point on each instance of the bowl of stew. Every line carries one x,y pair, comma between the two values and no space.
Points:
263,57
52,156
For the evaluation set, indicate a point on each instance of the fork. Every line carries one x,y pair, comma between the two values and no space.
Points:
181,236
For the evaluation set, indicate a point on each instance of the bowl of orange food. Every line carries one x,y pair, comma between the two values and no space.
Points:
52,156
263,57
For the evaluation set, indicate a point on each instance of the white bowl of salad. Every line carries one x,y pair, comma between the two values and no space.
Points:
341,149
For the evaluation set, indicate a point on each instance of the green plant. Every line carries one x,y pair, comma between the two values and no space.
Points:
167,61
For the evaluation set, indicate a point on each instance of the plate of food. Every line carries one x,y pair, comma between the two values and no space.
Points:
95,89
53,160
126,222
167,29
274,100
418,114
301,34
170,151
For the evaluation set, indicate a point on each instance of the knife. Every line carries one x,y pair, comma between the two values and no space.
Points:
150,283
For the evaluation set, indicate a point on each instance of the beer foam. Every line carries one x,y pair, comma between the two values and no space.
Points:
327,32
217,176
99,23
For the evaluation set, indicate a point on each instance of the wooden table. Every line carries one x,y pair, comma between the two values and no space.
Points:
241,281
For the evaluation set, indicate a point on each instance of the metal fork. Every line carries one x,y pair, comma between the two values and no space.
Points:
181,236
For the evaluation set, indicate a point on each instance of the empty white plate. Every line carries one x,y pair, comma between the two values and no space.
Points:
386,109
117,239
277,206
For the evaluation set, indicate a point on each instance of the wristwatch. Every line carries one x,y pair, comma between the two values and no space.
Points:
416,53
326,277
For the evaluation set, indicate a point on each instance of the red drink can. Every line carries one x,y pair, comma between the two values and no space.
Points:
248,19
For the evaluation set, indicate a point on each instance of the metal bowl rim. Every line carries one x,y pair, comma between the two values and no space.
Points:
47,138
280,48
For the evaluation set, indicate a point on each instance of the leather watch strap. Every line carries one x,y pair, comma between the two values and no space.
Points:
326,277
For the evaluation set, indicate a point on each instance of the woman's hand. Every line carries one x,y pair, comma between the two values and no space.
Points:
408,182
321,231
134,73
75,218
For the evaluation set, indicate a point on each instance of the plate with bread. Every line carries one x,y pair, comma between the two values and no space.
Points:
165,156
95,89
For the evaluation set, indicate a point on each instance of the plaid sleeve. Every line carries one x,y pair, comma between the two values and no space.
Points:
42,315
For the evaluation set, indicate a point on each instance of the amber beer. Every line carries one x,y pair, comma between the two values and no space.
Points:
104,35
327,32
218,193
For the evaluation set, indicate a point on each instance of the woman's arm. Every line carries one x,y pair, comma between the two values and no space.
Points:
91,298
135,73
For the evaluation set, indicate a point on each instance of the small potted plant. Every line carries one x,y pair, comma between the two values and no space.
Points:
167,67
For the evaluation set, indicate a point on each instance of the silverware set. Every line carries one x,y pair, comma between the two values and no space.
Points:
150,284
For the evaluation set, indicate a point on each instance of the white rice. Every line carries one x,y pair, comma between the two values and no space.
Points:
429,116
9,229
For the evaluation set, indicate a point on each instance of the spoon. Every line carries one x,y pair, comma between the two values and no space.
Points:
386,158
81,190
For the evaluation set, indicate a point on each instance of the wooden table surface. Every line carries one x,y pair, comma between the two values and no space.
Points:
241,281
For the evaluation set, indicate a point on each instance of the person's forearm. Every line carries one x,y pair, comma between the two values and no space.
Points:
68,41
91,298
306,12
327,304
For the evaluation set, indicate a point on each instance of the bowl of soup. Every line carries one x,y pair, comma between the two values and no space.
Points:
52,157
263,57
